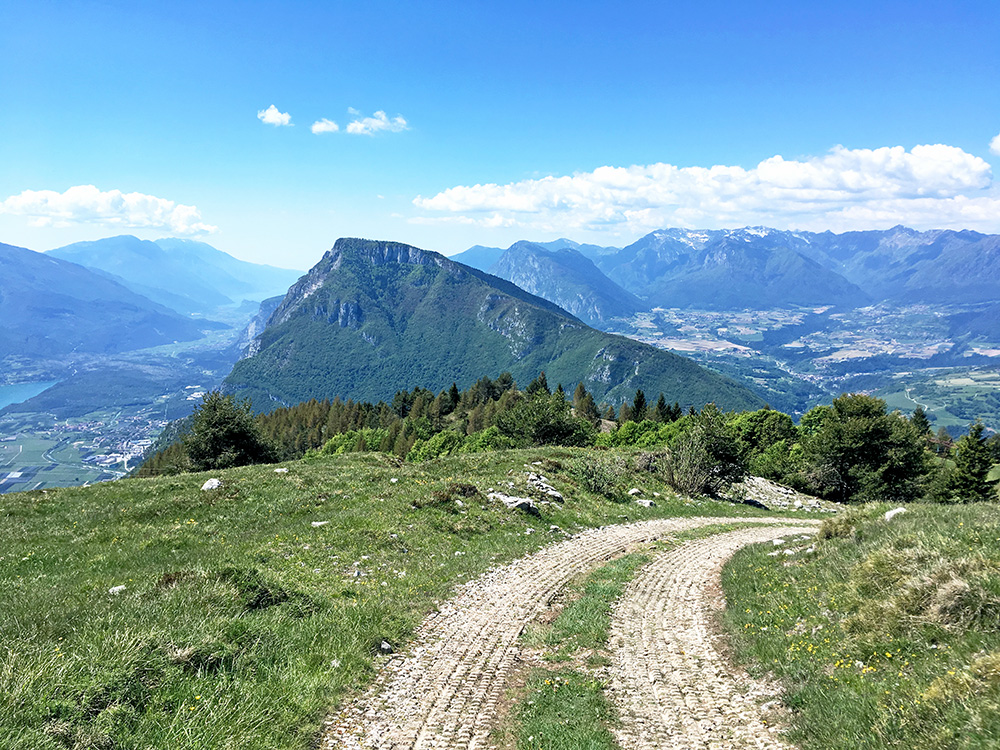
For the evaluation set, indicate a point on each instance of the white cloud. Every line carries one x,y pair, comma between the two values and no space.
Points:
995,145
931,185
271,116
85,204
325,126
377,123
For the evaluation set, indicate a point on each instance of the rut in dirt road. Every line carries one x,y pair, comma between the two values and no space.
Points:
672,686
444,692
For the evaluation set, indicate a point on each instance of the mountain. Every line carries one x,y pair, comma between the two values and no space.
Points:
981,323
905,265
51,307
185,275
479,256
567,278
372,318
594,252
726,269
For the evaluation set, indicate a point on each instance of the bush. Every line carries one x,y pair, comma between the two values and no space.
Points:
542,419
603,474
855,451
489,439
223,434
705,458
443,444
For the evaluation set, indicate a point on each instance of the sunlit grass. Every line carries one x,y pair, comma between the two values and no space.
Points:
249,612
884,634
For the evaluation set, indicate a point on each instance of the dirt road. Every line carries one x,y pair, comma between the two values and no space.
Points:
444,692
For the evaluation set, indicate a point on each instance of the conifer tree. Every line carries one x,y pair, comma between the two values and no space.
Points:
661,411
223,434
920,421
972,466
639,406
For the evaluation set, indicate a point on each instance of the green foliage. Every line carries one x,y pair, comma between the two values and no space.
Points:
442,444
603,474
489,439
543,419
855,451
920,421
973,461
705,458
223,435
354,441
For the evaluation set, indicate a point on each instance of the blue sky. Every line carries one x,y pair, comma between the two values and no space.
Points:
500,121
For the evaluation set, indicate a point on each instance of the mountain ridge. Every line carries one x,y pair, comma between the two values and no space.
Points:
374,317
568,278
51,307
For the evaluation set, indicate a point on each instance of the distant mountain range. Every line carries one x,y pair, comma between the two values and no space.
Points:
372,318
184,275
51,308
757,267
569,279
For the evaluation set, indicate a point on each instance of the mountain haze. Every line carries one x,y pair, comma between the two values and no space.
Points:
372,318
479,256
185,275
51,307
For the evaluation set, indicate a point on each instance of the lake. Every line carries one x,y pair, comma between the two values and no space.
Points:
15,394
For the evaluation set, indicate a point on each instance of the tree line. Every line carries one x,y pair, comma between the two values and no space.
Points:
852,450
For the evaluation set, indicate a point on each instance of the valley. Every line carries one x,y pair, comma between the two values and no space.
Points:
800,357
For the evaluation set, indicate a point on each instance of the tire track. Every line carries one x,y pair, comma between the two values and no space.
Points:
673,688
443,693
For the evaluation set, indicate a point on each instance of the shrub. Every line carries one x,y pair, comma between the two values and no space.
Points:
442,444
223,434
603,474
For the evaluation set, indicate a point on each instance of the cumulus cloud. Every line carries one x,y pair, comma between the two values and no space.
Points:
378,123
271,116
930,185
995,145
85,204
325,126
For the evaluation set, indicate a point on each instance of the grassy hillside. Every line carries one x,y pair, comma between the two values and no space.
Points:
884,634
240,622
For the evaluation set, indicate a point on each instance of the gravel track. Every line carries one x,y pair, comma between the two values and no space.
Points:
673,687
444,692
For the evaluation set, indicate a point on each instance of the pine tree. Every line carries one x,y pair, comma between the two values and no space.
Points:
972,466
538,385
224,434
624,413
920,421
661,412
639,406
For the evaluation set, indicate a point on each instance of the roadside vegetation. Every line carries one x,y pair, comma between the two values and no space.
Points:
884,633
